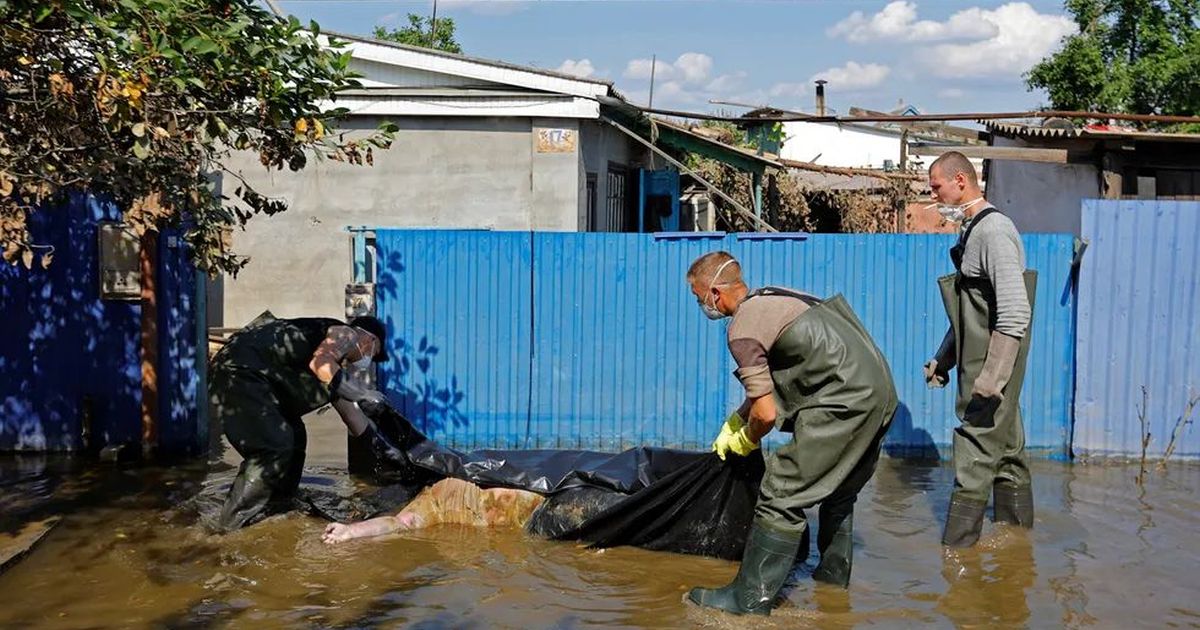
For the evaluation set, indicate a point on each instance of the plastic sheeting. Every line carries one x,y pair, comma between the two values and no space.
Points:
656,498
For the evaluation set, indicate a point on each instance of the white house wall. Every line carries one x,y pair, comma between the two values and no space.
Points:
441,172
833,145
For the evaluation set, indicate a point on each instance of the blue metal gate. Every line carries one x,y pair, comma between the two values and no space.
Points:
70,362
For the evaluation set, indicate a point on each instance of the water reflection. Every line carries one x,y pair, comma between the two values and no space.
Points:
986,585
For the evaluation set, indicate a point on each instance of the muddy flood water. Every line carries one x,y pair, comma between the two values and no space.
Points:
1104,553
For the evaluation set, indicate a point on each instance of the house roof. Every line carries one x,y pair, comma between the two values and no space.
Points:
1066,130
704,141
402,80
473,67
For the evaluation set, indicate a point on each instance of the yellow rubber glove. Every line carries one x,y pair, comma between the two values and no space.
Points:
734,436
733,424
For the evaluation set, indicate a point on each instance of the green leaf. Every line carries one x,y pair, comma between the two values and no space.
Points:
207,46
44,13
141,148
139,129
200,45
192,43
198,82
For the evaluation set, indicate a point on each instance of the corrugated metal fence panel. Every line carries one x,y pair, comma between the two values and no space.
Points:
623,356
1138,326
1050,373
179,370
458,304
65,354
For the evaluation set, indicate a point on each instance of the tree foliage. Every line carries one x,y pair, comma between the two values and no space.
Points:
422,32
142,101
1134,56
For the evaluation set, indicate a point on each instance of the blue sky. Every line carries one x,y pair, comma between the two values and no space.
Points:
940,55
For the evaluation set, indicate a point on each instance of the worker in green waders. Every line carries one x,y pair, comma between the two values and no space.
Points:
989,300
810,366
270,374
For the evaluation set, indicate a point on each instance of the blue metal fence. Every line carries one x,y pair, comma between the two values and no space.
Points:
70,363
459,304
1138,326
588,340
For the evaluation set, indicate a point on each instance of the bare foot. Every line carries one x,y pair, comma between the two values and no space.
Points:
338,532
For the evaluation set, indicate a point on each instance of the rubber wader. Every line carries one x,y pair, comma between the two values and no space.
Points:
834,393
989,443
260,387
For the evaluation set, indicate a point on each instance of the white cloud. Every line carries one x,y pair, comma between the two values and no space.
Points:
484,7
975,42
694,67
1023,37
726,82
674,91
582,68
790,90
854,76
898,22
952,93
640,69
690,67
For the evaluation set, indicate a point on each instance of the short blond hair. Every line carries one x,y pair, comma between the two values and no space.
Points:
706,266
952,163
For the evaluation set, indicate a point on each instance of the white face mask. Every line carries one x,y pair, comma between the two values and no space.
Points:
709,308
958,213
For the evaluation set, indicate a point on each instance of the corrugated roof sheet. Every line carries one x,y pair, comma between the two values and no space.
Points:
1027,131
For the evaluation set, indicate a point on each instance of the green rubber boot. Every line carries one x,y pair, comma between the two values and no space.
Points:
835,542
964,521
1012,504
770,554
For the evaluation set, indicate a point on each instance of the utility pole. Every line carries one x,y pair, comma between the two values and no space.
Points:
274,6
433,26
653,65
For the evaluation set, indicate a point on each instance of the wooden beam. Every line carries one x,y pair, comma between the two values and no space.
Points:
149,346
850,172
1023,154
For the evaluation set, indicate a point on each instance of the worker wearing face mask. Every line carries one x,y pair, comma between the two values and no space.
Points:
809,366
270,374
989,301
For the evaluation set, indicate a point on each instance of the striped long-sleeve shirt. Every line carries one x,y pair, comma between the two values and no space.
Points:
995,251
